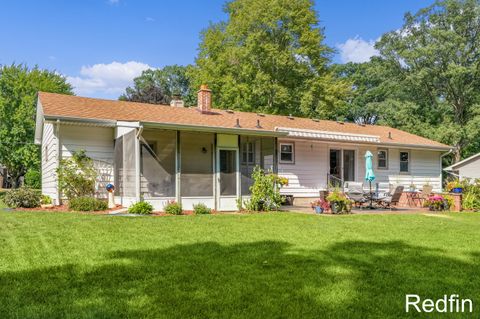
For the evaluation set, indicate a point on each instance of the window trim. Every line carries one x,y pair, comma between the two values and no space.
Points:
400,162
280,153
387,156
244,147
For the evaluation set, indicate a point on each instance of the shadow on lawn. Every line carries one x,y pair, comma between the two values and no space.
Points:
256,280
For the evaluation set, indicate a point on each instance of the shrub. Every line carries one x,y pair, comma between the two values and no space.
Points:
141,208
265,191
46,200
22,197
173,208
87,204
76,176
201,209
339,204
33,179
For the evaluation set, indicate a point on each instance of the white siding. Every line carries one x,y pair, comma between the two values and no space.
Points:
49,161
470,169
309,173
98,142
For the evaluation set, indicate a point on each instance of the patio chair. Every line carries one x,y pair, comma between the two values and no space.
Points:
426,192
357,197
392,201
353,187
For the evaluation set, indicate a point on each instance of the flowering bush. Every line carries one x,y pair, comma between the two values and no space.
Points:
265,191
323,204
437,203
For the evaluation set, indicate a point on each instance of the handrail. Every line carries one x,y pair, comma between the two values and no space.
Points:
334,182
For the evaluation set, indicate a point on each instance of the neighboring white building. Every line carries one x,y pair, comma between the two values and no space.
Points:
468,168
159,153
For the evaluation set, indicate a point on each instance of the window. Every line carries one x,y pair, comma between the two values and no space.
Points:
287,153
404,162
382,159
248,153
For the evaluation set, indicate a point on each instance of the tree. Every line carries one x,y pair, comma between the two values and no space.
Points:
18,91
371,88
159,86
436,58
269,57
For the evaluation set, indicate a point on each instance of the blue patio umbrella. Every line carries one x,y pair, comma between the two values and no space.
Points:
369,174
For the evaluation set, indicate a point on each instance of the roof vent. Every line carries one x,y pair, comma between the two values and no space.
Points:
261,114
258,124
390,135
316,120
177,102
229,111
238,123
290,117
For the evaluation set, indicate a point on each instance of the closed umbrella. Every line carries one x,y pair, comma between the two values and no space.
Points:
369,174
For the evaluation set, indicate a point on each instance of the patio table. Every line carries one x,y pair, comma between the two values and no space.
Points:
412,198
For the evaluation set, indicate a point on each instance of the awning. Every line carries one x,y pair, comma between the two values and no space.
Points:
333,136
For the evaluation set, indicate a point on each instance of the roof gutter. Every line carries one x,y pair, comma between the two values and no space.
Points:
76,120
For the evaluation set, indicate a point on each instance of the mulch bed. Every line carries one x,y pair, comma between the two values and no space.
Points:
64,209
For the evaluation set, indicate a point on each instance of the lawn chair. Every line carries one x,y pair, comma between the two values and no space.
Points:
354,191
392,201
426,192
357,197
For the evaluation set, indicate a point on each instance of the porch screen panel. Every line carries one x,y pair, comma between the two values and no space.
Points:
157,158
129,172
118,178
254,151
196,165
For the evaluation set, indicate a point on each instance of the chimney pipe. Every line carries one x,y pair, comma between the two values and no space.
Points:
204,102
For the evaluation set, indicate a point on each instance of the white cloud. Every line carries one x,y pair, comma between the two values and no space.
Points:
106,80
149,19
357,50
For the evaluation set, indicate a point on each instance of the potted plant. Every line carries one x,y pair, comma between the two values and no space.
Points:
437,203
320,206
412,187
455,187
339,203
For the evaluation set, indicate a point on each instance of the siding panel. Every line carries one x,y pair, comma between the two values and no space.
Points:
98,142
309,173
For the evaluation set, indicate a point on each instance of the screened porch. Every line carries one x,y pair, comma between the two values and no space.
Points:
159,165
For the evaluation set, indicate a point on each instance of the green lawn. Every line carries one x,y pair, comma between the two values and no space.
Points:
278,265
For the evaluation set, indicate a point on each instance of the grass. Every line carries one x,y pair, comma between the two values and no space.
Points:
2,204
279,265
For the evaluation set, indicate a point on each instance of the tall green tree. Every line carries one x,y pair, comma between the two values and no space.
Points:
18,91
372,87
269,57
436,58
159,86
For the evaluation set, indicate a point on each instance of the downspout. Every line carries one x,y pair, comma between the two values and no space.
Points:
441,166
137,165
59,158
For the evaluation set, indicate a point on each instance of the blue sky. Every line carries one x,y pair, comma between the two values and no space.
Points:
100,45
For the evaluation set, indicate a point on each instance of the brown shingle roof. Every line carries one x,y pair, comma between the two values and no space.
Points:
59,105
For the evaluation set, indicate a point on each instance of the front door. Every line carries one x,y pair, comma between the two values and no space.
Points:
227,179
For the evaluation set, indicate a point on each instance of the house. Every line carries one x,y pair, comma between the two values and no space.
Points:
468,168
159,153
